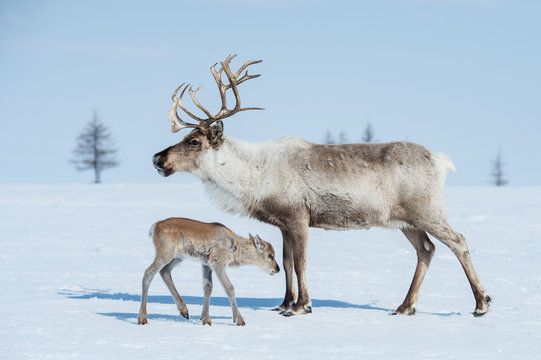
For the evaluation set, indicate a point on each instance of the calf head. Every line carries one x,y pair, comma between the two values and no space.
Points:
265,257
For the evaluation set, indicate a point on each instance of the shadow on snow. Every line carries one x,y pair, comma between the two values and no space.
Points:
132,317
244,302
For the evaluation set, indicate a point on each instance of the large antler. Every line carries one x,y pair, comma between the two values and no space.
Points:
233,80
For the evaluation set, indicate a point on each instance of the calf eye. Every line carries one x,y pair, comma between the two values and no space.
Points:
194,142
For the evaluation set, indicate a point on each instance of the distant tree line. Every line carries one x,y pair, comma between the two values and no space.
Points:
367,136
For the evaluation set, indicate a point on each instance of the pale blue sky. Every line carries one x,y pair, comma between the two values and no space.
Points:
458,76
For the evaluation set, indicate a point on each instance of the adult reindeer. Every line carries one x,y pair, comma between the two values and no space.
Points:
294,185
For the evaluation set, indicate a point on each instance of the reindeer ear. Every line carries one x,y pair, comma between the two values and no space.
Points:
215,132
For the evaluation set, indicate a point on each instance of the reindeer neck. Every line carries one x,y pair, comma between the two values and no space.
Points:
232,173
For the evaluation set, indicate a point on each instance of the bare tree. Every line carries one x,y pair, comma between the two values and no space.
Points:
329,138
368,134
343,138
95,149
498,173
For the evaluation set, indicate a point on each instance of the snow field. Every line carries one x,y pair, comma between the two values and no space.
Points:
72,259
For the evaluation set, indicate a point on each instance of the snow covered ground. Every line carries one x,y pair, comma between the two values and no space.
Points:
72,258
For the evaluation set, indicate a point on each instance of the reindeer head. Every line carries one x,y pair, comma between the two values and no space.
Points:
264,255
207,133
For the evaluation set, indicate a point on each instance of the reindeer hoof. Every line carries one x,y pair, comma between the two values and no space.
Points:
142,321
298,310
479,313
405,311
206,321
283,307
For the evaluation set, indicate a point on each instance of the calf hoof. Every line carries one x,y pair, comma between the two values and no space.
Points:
482,308
206,321
240,321
142,320
404,310
184,313
298,310
479,313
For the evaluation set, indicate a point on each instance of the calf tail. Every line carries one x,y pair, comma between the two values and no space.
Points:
151,230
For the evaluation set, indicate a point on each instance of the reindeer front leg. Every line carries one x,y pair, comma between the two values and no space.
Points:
299,240
288,262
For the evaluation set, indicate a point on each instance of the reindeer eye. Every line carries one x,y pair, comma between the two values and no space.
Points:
194,142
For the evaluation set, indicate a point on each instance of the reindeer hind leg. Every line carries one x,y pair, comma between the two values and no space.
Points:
425,250
457,243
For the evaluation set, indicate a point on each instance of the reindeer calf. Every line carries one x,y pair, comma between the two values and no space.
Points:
216,247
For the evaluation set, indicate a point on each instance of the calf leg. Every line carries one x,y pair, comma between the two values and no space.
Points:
456,242
156,266
165,272
230,291
425,250
291,294
207,288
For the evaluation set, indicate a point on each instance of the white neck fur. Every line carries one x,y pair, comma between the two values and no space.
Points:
232,174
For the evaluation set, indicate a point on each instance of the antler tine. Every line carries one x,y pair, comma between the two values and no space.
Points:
181,105
195,99
229,58
246,76
232,82
222,88
177,123
224,112
174,96
246,64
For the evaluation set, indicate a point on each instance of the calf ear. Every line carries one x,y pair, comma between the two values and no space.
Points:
258,243
232,244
